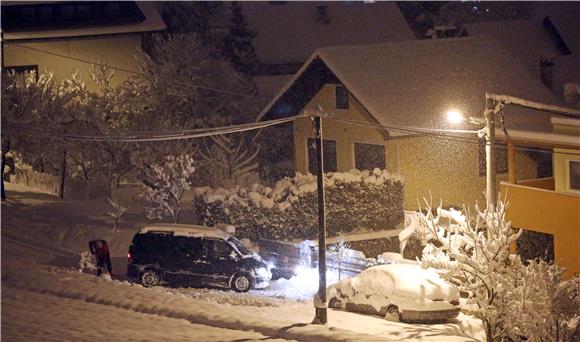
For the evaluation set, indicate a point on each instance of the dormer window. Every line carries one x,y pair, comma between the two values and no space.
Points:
341,96
322,15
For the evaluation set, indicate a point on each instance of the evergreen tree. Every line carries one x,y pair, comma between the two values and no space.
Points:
238,48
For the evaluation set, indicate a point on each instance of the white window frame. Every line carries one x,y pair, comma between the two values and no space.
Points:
567,175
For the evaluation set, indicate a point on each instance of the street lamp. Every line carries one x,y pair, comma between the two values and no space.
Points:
454,116
488,131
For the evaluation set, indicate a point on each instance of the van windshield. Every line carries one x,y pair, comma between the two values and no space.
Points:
239,246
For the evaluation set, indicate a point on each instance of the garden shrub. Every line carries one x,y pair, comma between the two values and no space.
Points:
355,201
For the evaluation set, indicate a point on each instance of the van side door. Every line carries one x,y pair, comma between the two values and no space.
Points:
223,258
189,265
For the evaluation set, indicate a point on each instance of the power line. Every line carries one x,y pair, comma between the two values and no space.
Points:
154,136
445,135
134,72
213,131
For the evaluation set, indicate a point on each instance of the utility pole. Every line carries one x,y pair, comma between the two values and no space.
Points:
491,106
321,310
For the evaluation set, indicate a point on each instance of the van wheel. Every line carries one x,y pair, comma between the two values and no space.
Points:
241,282
150,278
393,314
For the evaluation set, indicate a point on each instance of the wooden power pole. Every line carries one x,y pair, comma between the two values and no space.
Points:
321,310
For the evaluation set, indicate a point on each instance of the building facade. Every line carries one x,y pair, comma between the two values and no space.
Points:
66,37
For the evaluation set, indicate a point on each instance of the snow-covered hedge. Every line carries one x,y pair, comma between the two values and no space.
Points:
356,200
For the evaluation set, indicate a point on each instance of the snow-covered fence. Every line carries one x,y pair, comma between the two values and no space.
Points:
37,180
74,189
356,200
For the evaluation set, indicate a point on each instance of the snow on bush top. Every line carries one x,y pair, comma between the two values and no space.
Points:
287,190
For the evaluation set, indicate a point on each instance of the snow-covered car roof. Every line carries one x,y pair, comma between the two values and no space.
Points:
187,230
405,280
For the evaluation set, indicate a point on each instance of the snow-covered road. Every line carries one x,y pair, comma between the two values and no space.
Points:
44,297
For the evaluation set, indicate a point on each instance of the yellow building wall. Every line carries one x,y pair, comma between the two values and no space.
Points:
344,134
449,170
548,212
118,50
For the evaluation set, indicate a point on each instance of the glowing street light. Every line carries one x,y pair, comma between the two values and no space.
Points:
491,108
455,117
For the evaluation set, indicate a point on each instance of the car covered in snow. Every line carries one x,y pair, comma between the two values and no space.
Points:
189,255
398,292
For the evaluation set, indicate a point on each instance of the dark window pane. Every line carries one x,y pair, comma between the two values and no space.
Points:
221,248
83,11
188,246
60,15
535,245
501,159
341,97
28,12
45,13
67,12
113,9
369,156
329,155
22,69
574,175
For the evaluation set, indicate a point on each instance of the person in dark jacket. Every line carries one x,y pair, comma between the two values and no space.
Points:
100,250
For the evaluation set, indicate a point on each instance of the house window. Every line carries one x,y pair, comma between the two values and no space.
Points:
535,245
574,175
63,15
341,97
328,155
369,156
501,159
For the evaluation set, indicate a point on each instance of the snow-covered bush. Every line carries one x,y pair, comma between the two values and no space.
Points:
164,185
543,307
514,300
356,200
87,261
474,254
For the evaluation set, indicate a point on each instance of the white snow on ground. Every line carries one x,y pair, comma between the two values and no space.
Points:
45,297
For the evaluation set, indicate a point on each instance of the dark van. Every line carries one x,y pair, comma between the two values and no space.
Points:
188,255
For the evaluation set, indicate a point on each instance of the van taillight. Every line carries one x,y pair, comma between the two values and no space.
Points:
129,257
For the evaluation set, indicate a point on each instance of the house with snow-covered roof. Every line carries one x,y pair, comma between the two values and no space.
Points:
548,208
65,37
547,43
289,31
386,106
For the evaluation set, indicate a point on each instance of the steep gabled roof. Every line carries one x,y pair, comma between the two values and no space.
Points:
150,20
288,31
414,83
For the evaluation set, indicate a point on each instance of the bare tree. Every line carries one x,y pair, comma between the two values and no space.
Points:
232,155
117,210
